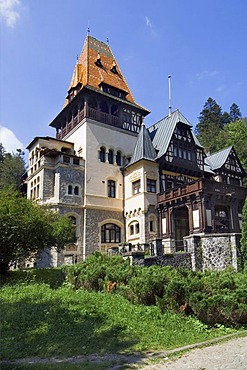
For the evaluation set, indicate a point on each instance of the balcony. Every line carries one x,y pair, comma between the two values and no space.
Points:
207,186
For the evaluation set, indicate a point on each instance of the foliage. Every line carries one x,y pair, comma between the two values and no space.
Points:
243,242
27,228
235,134
235,113
214,297
40,321
96,271
12,169
212,122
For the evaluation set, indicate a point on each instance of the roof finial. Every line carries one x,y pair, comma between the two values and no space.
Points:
169,96
107,41
88,28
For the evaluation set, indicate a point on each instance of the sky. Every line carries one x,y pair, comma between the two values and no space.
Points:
201,44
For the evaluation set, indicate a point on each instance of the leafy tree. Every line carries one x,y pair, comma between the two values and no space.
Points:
12,169
235,113
243,241
27,228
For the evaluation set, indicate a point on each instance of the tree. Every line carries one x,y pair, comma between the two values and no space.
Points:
243,241
12,169
2,152
235,113
27,228
211,121
235,133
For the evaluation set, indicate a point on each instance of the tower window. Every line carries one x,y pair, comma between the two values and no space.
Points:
102,154
70,189
111,189
118,158
76,190
110,156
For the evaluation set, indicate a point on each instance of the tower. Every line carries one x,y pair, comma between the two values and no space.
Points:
101,120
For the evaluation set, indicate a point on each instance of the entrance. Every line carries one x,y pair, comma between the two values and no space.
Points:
181,226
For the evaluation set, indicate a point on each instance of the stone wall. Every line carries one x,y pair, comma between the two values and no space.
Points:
94,218
219,251
175,260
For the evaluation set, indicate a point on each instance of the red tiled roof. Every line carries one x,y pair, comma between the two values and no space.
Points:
87,72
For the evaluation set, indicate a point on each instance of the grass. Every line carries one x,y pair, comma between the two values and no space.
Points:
38,321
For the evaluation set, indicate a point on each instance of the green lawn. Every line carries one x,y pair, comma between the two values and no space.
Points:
39,321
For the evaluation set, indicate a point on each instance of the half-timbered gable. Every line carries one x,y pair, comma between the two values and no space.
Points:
226,166
179,154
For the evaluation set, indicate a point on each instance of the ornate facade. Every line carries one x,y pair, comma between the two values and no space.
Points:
122,183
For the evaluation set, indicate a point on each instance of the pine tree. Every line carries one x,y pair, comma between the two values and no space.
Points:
235,113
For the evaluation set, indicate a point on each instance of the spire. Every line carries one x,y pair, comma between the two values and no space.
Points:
144,147
169,96
97,65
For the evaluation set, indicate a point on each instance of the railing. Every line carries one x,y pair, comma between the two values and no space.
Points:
209,186
96,115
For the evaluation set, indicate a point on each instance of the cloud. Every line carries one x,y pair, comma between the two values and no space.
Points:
9,140
221,88
206,74
148,22
9,11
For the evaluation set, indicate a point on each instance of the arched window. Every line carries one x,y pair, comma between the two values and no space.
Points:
110,156
76,190
110,233
74,224
111,188
70,189
134,228
102,154
119,158
104,107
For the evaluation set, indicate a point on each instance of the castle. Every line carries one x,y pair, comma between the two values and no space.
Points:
127,185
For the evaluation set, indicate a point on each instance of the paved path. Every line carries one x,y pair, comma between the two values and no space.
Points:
230,355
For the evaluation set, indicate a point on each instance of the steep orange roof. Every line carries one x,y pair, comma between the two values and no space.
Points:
97,65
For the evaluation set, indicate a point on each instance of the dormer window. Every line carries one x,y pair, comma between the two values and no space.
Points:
114,68
98,61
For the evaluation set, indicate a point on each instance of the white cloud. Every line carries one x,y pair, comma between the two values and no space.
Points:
9,140
221,88
206,74
148,22
9,11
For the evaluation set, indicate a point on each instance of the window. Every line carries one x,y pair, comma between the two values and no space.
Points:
134,228
118,158
111,189
110,233
110,156
76,190
151,186
76,161
151,225
66,159
74,224
136,186
70,189
102,154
